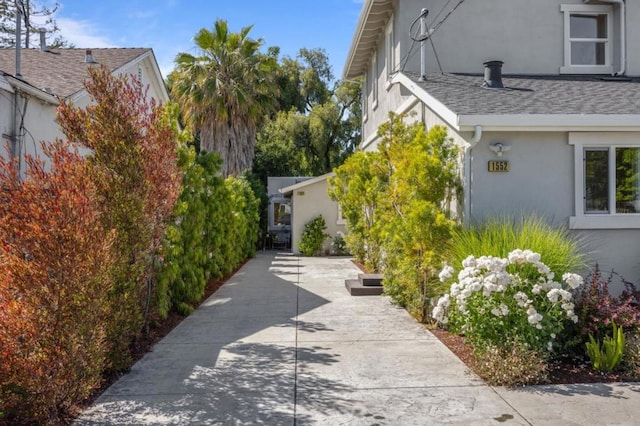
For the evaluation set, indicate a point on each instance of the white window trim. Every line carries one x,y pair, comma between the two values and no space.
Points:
568,68
390,50
365,98
341,220
374,81
580,141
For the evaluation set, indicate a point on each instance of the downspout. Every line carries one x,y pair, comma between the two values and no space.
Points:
16,147
623,35
467,173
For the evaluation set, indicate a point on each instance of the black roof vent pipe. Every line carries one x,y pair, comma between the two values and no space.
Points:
493,75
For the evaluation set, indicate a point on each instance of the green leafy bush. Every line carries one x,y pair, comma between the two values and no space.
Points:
606,356
339,246
513,363
397,206
516,298
214,230
313,237
359,187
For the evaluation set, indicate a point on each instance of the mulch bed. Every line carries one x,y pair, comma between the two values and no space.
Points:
560,373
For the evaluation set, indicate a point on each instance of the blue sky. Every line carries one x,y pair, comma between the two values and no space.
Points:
168,26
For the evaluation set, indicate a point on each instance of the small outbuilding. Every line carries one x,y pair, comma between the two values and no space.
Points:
309,199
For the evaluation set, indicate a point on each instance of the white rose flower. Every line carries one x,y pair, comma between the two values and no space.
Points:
446,273
573,280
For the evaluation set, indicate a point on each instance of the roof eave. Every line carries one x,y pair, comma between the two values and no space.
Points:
289,189
521,122
374,15
27,88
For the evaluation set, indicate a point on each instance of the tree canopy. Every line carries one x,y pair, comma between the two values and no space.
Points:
318,124
36,17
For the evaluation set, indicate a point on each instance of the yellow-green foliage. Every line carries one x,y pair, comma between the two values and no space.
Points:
396,204
606,357
416,222
359,187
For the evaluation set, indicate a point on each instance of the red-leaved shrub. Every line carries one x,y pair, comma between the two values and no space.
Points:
55,256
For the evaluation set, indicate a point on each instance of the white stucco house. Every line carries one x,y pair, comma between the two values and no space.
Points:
31,93
555,130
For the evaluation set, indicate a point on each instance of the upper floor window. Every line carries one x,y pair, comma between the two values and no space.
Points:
374,80
365,106
587,39
607,180
390,49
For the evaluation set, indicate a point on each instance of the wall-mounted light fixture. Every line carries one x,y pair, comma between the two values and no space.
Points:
499,148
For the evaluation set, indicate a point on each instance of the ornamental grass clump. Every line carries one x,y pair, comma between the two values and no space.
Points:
497,300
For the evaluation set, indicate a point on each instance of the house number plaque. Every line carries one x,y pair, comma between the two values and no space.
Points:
498,167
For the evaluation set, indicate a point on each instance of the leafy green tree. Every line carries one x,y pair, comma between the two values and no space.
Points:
318,125
359,187
397,204
225,93
30,31
416,215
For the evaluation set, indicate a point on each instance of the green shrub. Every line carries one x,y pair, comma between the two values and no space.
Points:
215,229
339,246
606,356
513,363
313,237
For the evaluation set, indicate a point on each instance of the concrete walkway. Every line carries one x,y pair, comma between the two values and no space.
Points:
283,343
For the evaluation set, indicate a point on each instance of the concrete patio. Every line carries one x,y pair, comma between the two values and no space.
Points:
283,343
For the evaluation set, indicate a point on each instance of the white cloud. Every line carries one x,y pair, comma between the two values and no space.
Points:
82,33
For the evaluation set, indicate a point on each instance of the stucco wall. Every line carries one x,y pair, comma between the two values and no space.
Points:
527,35
309,202
541,180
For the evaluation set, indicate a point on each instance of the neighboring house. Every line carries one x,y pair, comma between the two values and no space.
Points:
279,226
28,101
561,138
310,199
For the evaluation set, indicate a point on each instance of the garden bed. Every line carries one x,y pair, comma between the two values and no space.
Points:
560,372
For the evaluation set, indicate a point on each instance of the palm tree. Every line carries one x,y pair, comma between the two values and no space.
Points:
225,92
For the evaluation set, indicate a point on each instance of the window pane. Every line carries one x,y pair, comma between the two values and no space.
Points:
588,53
596,172
627,180
281,214
588,26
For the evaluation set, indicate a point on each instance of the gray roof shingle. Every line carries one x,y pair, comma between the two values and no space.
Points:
63,71
464,95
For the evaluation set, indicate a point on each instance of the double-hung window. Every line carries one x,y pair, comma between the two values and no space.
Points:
607,181
374,81
587,39
390,49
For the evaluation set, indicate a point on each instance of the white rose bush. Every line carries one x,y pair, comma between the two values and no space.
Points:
498,300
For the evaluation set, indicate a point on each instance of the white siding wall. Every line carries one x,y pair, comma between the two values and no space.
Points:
315,201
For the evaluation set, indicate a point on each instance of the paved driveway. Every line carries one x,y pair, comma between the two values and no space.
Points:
283,343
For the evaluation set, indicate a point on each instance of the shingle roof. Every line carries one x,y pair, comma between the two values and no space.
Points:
63,71
463,94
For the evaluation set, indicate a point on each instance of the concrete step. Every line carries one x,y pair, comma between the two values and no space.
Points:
356,288
371,279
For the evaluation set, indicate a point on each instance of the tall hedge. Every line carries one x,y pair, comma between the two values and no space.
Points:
215,228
